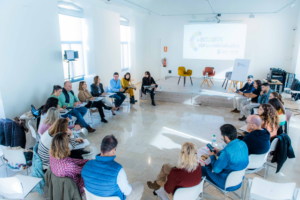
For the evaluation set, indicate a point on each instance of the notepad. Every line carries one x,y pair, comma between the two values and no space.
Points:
82,145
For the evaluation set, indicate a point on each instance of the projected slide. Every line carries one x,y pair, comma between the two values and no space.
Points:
214,41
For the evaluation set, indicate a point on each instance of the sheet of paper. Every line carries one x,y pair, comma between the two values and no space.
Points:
81,105
255,111
202,151
82,145
98,98
244,128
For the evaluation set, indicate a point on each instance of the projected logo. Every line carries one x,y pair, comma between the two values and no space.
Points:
197,41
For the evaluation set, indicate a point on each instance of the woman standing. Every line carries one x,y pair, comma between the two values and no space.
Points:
126,83
97,91
149,81
187,174
61,164
269,118
85,96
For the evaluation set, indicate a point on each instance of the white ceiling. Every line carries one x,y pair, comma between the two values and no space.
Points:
188,7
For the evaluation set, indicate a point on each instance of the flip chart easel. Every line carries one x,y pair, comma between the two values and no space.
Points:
239,73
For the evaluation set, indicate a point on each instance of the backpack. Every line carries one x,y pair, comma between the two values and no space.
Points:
12,134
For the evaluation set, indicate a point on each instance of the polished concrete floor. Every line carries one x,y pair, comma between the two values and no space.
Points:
151,136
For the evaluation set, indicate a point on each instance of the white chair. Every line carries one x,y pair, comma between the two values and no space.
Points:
257,162
260,189
2,154
90,115
272,149
234,178
72,121
33,131
191,193
17,187
90,196
15,160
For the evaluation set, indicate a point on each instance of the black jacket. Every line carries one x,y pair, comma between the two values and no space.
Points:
283,150
65,92
258,141
146,83
94,90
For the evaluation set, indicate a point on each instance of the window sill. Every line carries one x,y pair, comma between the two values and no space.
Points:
75,79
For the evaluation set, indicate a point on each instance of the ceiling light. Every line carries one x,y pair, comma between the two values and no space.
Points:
293,5
251,16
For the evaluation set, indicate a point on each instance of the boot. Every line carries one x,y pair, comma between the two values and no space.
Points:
152,98
90,129
153,186
132,100
243,118
106,107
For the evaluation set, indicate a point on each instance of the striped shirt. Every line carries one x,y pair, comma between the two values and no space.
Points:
44,148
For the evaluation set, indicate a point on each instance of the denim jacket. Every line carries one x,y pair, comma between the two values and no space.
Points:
234,157
265,97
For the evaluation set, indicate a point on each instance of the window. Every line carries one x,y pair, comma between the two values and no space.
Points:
70,23
124,34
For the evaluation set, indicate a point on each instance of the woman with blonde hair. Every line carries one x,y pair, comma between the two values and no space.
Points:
52,115
85,96
187,173
270,119
61,164
128,87
60,125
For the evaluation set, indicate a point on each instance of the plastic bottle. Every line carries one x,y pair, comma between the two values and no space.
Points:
213,140
160,88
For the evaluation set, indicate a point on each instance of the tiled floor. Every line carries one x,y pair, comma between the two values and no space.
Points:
151,136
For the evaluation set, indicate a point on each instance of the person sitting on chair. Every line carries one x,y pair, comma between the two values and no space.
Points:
61,164
115,86
277,96
128,87
246,106
238,99
61,125
280,110
186,174
270,119
265,93
51,117
149,81
258,139
97,91
234,157
85,96
105,177
69,100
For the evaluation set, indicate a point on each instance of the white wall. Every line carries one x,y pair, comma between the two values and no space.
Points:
30,54
295,67
269,43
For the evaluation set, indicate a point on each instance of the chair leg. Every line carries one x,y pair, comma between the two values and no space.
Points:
184,81
223,82
226,84
266,170
179,80
191,80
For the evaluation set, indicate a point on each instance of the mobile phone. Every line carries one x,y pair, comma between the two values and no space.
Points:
210,147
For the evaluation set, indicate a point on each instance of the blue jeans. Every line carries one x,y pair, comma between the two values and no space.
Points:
79,113
119,98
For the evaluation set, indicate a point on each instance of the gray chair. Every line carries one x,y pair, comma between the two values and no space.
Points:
227,78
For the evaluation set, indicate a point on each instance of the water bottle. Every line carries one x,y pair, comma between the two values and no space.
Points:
213,140
206,75
160,88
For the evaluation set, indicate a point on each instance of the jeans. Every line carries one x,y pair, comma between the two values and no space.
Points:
79,113
119,98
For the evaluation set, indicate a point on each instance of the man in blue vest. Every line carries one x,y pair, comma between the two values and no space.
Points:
105,177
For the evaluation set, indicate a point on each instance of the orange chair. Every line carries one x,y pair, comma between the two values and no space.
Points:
210,71
182,72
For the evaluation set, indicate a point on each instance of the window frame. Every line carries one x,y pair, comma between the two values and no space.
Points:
124,23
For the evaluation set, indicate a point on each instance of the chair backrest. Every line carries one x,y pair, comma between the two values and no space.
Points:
105,89
288,115
209,70
273,144
182,68
189,192
11,188
234,178
90,196
262,189
32,130
14,157
257,160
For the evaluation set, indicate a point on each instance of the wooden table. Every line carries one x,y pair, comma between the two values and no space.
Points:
205,80
276,82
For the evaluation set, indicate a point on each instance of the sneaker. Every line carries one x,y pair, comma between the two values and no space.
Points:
104,120
234,110
153,186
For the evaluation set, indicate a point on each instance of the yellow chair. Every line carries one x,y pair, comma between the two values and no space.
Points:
182,72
